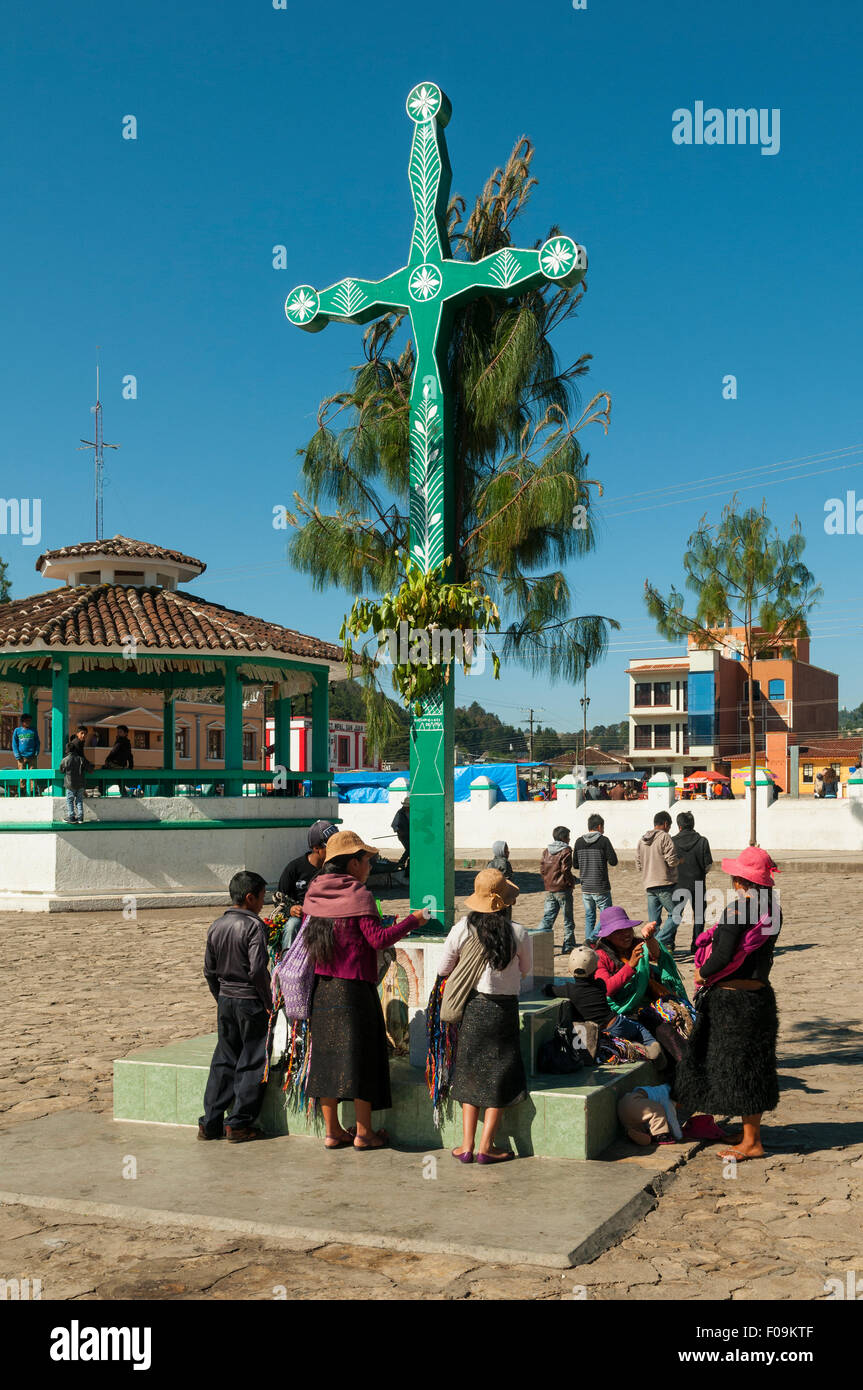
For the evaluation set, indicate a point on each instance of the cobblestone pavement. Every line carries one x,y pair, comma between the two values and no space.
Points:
79,989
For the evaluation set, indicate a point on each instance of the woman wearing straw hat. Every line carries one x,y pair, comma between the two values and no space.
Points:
489,1072
730,1067
343,932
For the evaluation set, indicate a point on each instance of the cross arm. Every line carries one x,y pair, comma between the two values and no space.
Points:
560,261
349,301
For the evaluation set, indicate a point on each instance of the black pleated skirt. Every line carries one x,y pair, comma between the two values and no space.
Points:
349,1043
489,1071
729,1067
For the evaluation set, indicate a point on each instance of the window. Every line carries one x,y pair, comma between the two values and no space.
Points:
367,754
344,753
99,737
140,738
776,690
808,772
248,745
642,693
215,743
181,741
685,738
662,735
642,736
8,723
756,692
662,693
686,695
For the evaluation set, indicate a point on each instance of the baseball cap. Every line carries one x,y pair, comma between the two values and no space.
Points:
320,832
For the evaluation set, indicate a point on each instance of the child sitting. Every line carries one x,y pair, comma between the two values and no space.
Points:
589,1000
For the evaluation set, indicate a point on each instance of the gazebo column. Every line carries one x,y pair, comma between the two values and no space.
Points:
168,739
233,727
320,731
59,717
282,710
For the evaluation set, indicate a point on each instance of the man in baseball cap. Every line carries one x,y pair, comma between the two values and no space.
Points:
297,876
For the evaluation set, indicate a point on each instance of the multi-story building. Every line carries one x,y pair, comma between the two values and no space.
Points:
688,713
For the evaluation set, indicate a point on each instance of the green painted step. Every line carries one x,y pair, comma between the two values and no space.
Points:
577,1119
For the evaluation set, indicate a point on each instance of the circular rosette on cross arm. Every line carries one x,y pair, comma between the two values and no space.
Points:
563,260
302,306
426,101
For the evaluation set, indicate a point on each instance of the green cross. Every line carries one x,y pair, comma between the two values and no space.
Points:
429,288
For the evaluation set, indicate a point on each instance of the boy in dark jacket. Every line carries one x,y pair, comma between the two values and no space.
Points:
235,967
556,870
74,768
693,852
120,755
593,854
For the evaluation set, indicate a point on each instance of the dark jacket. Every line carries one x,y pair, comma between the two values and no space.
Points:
594,853
295,879
730,931
235,959
588,998
74,768
402,826
556,867
693,853
120,755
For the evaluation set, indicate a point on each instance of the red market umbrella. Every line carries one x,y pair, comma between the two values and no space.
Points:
707,777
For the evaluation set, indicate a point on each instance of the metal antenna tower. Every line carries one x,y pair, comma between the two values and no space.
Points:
97,444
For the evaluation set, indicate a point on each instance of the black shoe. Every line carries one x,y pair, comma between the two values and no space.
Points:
202,1134
242,1136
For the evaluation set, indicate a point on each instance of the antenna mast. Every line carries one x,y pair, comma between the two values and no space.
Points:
97,444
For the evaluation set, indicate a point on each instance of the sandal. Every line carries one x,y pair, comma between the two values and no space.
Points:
364,1148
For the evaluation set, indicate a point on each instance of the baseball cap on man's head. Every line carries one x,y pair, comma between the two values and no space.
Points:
583,962
320,832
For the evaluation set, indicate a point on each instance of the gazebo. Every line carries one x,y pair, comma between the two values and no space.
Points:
121,622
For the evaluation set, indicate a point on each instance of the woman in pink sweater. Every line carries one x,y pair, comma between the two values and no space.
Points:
343,933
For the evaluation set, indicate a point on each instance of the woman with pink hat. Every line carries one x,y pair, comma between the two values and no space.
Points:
730,1066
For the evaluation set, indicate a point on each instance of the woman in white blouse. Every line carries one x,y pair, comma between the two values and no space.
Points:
489,1072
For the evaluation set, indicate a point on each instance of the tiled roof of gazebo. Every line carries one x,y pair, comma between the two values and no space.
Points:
122,546
110,615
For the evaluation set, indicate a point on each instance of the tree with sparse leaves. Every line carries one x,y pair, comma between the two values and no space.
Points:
522,494
746,575
5,585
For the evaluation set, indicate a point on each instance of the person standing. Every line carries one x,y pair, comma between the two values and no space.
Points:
694,861
730,1065
235,968
489,1071
593,854
74,768
343,932
556,870
25,748
401,824
656,861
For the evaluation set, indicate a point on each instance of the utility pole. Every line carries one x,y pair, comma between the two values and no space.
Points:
529,718
585,701
97,444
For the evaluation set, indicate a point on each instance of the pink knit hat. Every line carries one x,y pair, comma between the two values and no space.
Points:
753,864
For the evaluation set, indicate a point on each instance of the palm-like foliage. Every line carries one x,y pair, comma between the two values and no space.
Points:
519,467
746,575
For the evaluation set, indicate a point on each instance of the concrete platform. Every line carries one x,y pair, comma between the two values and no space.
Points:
572,1118
547,1212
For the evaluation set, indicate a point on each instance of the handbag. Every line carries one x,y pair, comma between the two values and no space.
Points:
463,980
296,972
559,1054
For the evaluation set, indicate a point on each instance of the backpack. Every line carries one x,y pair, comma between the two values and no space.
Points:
560,1054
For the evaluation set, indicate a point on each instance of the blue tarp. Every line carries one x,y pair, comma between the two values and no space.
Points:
363,787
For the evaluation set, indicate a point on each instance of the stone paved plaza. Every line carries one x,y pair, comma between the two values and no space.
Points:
79,989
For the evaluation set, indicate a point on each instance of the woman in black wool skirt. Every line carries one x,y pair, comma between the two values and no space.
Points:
489,1072
730,1065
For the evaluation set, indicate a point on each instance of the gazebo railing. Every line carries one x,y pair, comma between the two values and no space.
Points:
153,781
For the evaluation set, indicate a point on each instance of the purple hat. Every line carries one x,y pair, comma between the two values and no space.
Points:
612,919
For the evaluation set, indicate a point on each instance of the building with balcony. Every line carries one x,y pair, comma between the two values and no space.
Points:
690,712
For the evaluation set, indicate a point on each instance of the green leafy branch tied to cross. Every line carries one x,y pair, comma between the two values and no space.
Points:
429,289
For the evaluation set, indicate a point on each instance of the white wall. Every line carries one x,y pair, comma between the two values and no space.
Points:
787,825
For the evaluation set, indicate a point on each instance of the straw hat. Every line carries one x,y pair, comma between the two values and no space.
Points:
347,842
492,891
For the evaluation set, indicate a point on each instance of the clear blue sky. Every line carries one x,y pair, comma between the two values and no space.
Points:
259,126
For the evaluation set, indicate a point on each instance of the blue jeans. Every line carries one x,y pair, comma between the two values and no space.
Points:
553,903
593,905
75,804
657,899
631,1031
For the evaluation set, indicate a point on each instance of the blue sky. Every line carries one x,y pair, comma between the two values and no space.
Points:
259,126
